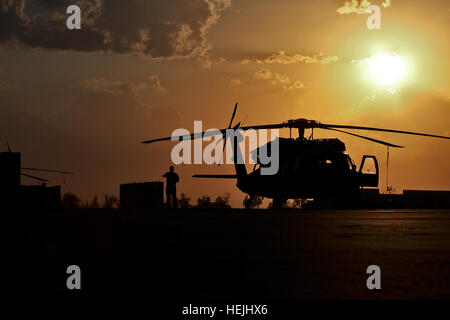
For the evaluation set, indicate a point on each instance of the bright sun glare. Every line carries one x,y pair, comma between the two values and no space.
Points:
387,69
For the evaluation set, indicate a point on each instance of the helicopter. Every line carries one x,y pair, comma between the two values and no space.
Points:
308,167
11,169
15,195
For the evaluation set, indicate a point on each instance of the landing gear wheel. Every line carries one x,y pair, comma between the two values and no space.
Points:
248,203
277,203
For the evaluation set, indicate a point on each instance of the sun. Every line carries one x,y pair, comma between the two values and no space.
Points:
387,69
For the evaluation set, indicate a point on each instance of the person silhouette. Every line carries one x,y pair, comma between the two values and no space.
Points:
171,186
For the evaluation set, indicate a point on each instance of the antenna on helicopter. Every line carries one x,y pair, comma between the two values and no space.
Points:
387,169
388,188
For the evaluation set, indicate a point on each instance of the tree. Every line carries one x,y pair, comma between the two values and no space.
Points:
221,202
204,202
94,203
284,205
91,205
111,202
70,201
253,202
184,202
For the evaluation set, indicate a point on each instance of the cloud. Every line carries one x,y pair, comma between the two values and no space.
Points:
118,87
104,85
296,85
263,74
354,7
155,83
235,82
359,7
282,58
278,79
369,59
387,3
151,29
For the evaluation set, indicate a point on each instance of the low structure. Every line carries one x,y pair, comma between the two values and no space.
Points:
371,198
423,199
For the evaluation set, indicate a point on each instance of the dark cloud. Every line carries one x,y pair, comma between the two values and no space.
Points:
153,29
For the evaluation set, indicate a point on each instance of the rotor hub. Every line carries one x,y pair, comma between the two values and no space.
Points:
301,123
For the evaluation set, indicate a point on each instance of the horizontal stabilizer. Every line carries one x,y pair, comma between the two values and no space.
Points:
216,176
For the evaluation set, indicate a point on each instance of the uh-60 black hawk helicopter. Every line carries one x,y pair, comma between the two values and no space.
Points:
308,168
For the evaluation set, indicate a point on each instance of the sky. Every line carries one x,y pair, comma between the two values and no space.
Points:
83,100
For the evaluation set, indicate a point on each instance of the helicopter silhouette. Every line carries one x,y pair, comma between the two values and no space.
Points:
13,194
12,169
308,167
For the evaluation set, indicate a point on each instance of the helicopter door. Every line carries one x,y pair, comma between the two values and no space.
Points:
369,171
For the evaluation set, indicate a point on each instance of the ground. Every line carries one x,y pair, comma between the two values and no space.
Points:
222,255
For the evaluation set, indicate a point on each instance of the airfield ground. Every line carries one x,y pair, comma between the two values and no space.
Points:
219,255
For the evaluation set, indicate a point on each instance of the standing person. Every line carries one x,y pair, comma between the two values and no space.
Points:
171,186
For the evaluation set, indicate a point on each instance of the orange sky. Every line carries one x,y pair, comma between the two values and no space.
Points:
83,102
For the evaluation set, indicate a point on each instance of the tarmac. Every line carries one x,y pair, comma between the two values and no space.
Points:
226,255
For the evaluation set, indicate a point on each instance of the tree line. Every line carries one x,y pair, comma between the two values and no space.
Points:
72,201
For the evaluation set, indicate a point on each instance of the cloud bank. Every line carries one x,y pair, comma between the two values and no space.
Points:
151,29
278,79
281,57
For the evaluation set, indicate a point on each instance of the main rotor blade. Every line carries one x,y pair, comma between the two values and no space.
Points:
192,136
33,177
210,133
232,117
265,126
46,170
366,138
321,125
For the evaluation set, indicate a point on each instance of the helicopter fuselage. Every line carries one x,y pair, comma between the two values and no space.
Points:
309,169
